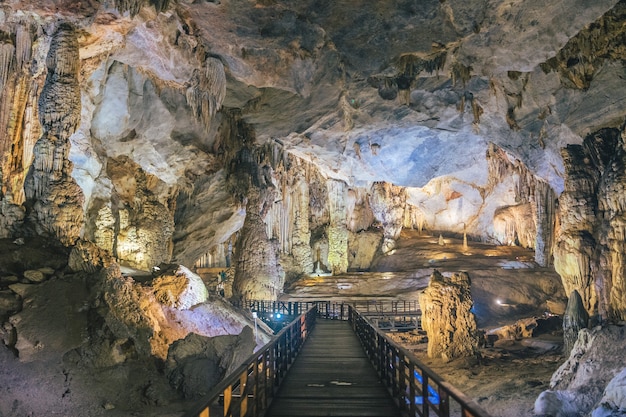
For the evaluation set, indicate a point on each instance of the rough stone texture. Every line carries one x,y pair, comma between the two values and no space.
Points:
577,386
196,363
179,288
574,320
257,273
34,276
135,316
447,318
57,207
87,256
388,203
363,247
589,249
10,303
613,402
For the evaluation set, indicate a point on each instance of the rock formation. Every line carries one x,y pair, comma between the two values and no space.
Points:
447,317
578,385
196,363
574,320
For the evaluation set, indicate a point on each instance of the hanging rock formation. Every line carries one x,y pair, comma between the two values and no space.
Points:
447,317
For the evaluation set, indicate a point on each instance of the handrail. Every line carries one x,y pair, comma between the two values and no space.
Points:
249,390
337,310
416,389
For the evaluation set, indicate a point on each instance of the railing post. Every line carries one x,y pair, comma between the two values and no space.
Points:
243,382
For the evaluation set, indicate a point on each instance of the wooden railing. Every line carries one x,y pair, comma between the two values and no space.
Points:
416,389
249,390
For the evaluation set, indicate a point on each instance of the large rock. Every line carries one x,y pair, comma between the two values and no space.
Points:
578,385
196,363
180,288
447,318
149,318
613,402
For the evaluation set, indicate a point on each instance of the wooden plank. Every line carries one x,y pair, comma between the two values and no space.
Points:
332,377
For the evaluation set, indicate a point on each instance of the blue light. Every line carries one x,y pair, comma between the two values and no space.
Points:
433,395
277,315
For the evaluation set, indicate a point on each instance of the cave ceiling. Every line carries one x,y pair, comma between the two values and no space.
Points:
402,91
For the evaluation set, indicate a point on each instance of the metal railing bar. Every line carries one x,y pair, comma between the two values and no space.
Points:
387,356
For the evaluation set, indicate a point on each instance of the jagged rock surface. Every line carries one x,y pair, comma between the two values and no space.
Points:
578,385
196,363
575,319
447,317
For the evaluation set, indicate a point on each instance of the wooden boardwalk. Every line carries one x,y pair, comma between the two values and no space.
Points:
332,377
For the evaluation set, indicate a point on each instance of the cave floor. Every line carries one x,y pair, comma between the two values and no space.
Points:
506,286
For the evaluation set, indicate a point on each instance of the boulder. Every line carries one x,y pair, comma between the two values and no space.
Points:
180,288
613,402
10,303
196,363
581,383
34,276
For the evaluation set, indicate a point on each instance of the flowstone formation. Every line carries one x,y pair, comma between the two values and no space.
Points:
447,317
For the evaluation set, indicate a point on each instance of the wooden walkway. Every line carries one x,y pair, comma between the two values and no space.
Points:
332,377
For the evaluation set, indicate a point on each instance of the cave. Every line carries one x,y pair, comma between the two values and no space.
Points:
165,163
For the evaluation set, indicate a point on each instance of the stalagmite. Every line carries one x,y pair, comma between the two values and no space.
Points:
447,317
575,319
337,230
57,201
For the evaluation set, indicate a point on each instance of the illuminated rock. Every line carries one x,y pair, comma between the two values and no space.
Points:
447,317
179,288
613,402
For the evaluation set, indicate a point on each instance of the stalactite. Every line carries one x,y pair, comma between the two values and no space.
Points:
7,54
131,6
544,200
207,91
23,45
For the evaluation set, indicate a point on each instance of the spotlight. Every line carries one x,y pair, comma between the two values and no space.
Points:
278,315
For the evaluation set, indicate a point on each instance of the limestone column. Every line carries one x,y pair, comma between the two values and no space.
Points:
54,198
447,317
